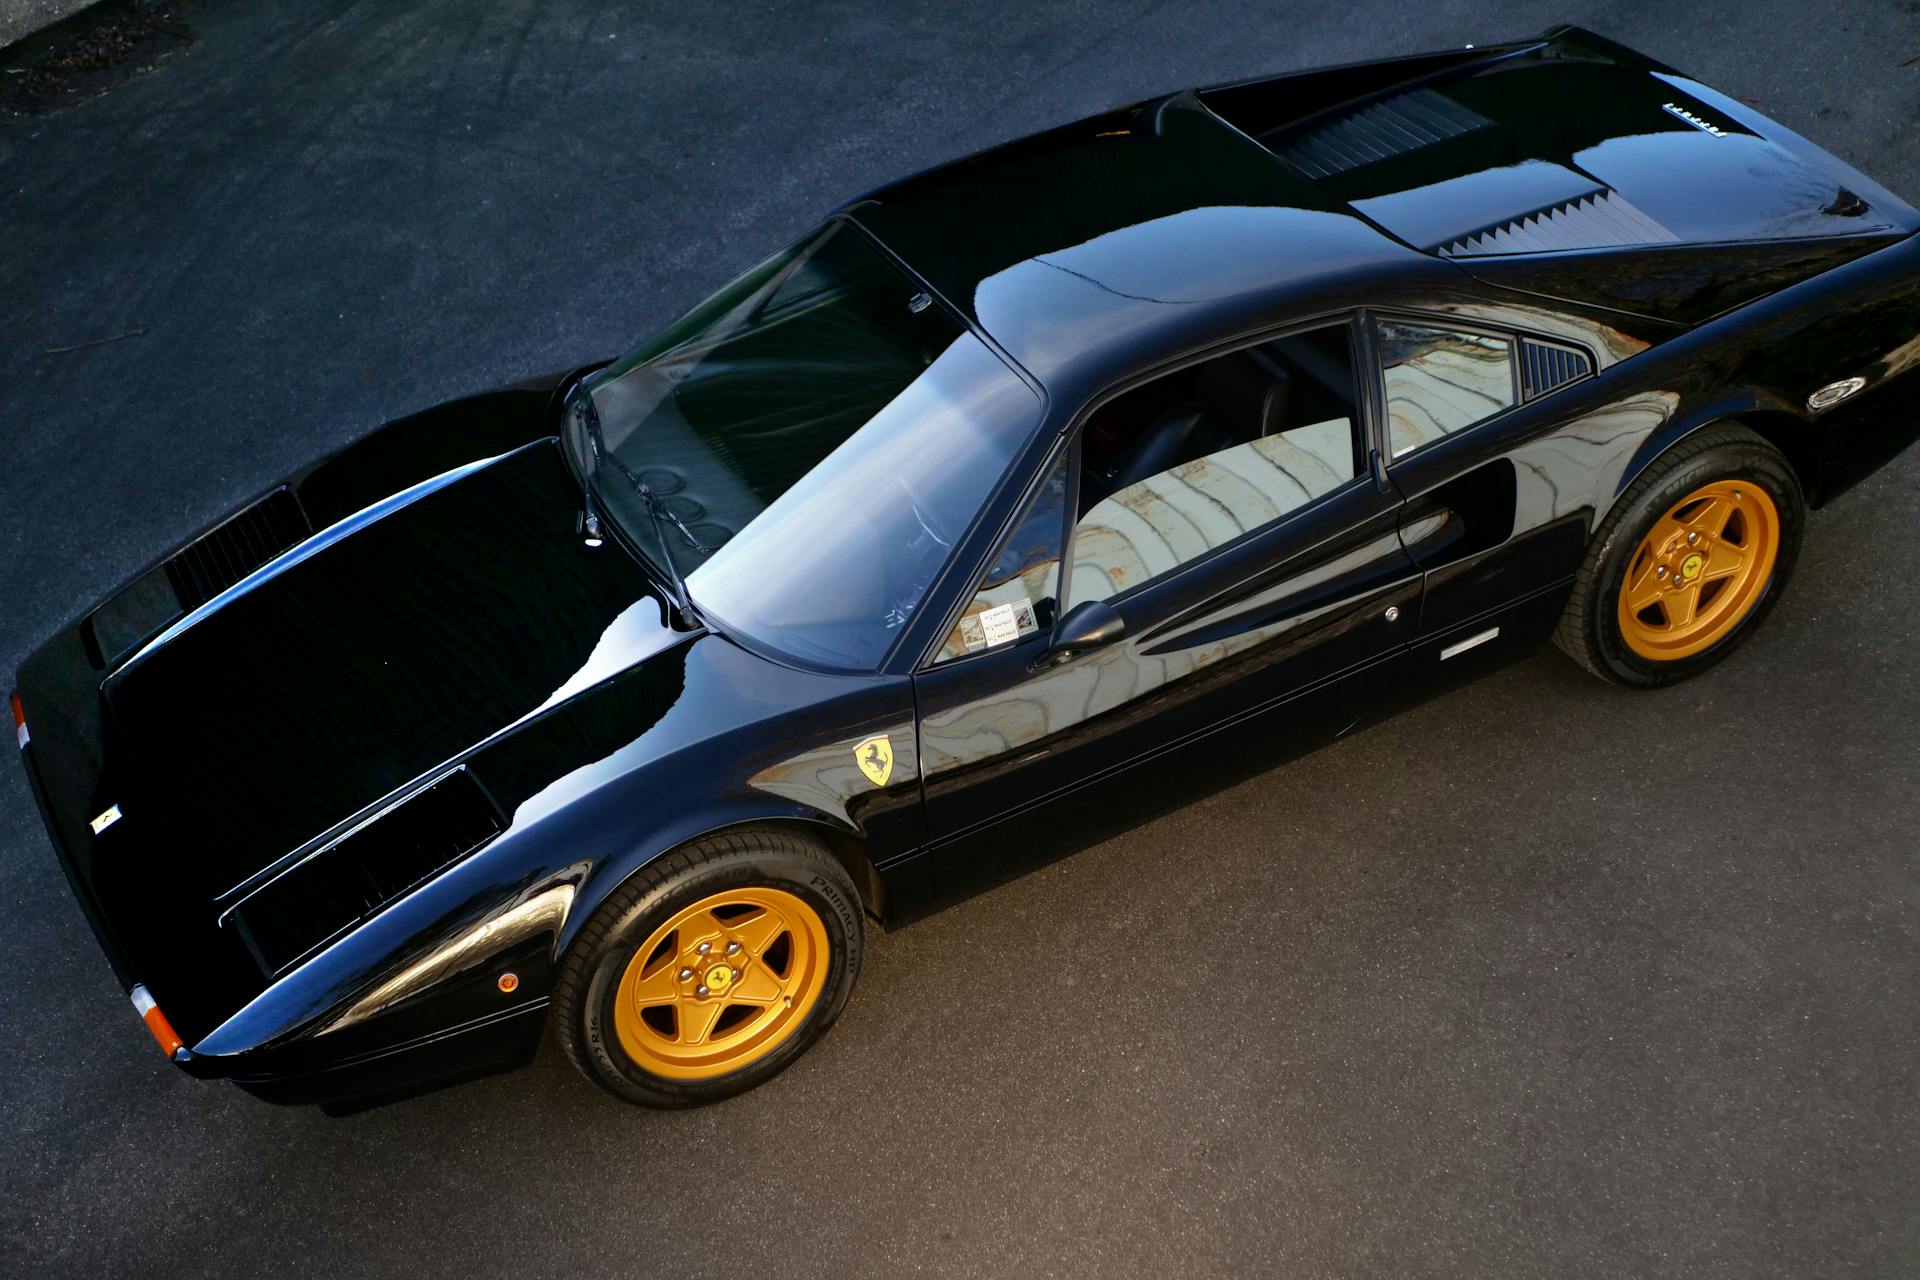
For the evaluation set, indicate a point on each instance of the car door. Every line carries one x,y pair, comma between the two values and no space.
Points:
1496,512
1231,513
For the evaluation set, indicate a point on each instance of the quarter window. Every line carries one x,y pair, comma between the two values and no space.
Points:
1439,381
1194,460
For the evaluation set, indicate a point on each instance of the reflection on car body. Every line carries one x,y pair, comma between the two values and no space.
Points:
1025,498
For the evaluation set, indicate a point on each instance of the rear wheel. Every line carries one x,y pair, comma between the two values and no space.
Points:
711,970
1689,562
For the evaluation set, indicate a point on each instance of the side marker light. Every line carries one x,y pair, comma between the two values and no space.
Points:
1834,392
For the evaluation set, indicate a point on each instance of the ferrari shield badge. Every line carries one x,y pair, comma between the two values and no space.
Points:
875,758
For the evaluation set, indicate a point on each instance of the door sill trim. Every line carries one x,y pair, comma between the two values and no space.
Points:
1471,642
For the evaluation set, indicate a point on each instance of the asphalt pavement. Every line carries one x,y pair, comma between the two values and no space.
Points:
1543,978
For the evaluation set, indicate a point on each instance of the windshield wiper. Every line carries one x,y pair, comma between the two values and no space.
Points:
592,533
660,514
656,509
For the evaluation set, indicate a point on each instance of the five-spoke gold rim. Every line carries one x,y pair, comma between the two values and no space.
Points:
722,983
1699,571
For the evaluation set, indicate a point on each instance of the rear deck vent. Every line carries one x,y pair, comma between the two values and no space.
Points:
1601,219
1545,367
1390,127
365,869
236,547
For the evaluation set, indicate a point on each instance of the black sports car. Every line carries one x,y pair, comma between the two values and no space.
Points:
1023,498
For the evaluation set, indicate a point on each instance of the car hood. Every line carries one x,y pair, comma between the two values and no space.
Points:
371,653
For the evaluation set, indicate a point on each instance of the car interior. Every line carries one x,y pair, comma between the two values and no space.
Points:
1267,390
1193,460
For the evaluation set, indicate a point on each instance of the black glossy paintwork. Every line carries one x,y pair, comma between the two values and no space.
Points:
1565,117
465,625
1294,609
1680,284
472,605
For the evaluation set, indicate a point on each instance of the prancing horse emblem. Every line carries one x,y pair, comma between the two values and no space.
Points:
875,758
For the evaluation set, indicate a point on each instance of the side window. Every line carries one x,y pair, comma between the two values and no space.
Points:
1439,381
1193,460
1021,590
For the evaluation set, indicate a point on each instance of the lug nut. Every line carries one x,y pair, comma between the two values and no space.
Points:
704,947
700,990
685,974
1692,538
733,948
1660,572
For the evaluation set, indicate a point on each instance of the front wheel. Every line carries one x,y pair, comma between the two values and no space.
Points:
711,970
1689,561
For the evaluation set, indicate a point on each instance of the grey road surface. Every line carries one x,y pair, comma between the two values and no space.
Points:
1542,979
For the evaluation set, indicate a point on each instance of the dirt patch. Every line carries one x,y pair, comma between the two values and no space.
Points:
89,54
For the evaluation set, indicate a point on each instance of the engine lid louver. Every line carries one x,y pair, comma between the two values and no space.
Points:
236,547
332,890
1600,219
1390,127
1546,367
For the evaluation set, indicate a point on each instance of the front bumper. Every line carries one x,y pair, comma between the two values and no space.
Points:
488,1047
82,893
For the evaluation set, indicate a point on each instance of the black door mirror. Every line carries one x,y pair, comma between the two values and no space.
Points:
1091,624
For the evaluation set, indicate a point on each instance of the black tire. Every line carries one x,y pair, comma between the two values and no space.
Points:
583,1002
1589,630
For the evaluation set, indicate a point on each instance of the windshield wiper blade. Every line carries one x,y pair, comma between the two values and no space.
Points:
660,515
591,530
656,509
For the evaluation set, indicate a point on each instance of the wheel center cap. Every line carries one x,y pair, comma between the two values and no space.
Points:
719,978
1691,566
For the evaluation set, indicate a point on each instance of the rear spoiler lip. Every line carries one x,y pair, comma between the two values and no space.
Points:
1620,53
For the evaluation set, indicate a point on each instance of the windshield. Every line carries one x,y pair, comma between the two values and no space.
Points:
813,441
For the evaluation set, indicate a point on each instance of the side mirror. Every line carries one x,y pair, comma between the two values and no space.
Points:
1091,624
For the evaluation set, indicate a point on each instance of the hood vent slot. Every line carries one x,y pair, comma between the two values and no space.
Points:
1601,219
1387,128
1545,367
234,548
332,890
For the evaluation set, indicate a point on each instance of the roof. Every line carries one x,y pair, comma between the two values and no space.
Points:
1122,235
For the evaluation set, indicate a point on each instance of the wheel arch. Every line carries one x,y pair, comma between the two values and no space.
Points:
845,843
1763,413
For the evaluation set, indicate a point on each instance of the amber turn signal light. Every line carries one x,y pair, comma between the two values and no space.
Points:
170,1042
19,720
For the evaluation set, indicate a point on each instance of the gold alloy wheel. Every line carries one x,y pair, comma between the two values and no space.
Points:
723,982
1699,570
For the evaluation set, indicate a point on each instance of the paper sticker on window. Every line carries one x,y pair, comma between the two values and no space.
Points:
999,626
971,634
